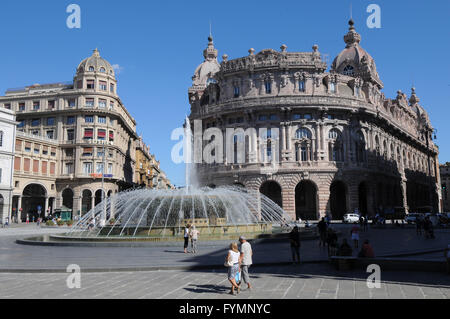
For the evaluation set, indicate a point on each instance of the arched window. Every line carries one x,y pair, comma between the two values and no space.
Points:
349,70
335,146
303,133
360,146
303,147
91,69
102,70
268,86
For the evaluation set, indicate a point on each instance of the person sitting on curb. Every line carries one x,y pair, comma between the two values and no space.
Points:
366,251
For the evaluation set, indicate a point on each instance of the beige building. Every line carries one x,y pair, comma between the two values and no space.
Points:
316,142
68,135
148,171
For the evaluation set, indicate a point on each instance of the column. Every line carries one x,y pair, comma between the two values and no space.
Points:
46,206
93,201
19,210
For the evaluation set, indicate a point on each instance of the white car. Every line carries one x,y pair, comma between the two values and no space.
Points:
351,218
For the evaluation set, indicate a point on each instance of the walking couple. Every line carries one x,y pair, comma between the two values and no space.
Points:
238,263
190,232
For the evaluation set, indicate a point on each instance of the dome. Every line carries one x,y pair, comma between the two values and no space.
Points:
95,63
204,74
355,61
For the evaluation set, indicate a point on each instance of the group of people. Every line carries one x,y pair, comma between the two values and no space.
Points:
425,226
191,234
328,238
238,263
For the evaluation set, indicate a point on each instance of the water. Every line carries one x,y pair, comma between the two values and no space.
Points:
164,213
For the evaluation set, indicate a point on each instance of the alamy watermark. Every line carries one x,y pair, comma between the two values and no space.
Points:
374,20
74,19
73,281
374,279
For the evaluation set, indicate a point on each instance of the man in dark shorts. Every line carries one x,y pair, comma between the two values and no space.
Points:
322,227
186,238
294,238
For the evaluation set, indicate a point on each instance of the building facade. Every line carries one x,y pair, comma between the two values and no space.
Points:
7,138
315,142
69,136
148,170
445,180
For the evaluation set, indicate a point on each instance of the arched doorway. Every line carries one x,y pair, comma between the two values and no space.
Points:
98,196
86,201
338,200
33,202
306,201
272,190
67,196
362,199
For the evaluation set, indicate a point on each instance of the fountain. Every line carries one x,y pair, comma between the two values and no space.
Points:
161,215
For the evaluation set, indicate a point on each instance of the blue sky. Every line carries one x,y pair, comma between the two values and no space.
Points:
158,45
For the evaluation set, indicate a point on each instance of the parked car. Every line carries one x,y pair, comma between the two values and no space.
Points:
412,218
351,218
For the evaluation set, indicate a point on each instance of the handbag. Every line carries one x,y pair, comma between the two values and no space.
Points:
228,263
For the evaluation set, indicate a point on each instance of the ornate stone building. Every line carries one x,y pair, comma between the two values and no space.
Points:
7,137
68,135
315,141
445,180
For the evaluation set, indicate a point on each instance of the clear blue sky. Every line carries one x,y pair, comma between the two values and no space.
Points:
158,45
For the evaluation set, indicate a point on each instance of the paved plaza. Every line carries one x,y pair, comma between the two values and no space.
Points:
165,272
288,282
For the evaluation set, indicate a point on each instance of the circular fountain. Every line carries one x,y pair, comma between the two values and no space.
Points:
161,215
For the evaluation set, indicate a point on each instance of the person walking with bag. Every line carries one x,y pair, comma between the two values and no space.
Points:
232,263
246,260
194,238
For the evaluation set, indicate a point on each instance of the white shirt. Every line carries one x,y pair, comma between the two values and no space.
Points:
186,232
234,257
246,249
194,234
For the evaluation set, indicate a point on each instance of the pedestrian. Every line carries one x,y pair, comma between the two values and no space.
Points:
332,242
186,238
355,235
232,262
246,260
361,223
366,223
366,251
28,219
447,257
345,250
194,238
38,222
419,225
322,227
294,238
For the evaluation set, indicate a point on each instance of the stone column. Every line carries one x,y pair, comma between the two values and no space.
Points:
19,212
46,205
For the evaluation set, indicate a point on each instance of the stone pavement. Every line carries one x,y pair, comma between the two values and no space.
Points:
25,258
290,282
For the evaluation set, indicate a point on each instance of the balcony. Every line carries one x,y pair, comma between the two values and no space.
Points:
36,137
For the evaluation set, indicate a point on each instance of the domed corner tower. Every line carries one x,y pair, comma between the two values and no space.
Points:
354,61
204,74
95,73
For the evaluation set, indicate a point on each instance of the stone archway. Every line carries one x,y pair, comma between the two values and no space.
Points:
98,196
86,201
306,201
67,196
33,202
338,200
272,190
